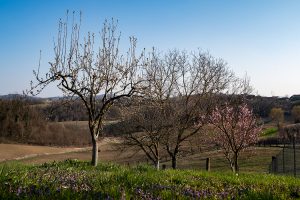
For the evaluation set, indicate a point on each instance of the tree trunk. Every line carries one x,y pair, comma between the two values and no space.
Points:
157,164
236,165
95,152
232,166
174,162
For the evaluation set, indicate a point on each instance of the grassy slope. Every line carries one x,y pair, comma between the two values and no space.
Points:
254,160
78,180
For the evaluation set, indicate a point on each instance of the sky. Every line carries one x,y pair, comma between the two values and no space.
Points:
257,37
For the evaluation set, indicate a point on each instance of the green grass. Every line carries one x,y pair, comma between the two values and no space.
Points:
269,131
256,160
73,179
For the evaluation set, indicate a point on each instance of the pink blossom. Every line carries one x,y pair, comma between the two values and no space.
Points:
236,129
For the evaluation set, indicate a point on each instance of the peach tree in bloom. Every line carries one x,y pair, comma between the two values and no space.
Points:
235,129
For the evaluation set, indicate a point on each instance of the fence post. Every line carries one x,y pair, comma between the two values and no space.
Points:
274,164
207,164
283,159
294,147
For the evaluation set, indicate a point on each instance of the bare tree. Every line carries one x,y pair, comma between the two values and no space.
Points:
183,90
199,82
152,117
147,132
97,74
236,129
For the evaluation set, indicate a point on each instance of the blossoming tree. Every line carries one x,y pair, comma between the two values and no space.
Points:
236,129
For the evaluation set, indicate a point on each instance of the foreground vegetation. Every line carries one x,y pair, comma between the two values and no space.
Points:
74,179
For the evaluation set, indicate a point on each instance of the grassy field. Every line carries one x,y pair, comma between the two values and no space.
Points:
253,160
41,154
21,151
39,172
78,180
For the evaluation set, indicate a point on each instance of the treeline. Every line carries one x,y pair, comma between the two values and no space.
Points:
262,106
59,110
17,120
62,110
35,122
25,123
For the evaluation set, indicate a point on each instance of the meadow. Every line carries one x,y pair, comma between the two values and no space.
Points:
73,179
40,172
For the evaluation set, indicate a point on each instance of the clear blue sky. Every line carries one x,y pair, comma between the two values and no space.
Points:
260,37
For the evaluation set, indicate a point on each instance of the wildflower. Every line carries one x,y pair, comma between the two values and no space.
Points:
19,191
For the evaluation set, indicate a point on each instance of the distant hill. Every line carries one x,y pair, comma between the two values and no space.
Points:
295,97
20,96
32,98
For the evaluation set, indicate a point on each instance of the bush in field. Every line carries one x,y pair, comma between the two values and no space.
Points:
277,115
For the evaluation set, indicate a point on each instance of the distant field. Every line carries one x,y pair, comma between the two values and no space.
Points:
41,154
20,151
255,160
83,124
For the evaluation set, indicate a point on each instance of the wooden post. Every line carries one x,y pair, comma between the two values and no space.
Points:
283,159
207,164
274,164
294,147
164,167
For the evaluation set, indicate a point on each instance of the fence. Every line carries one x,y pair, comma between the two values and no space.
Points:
287,162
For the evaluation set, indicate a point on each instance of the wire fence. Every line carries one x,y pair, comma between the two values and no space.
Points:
287,161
